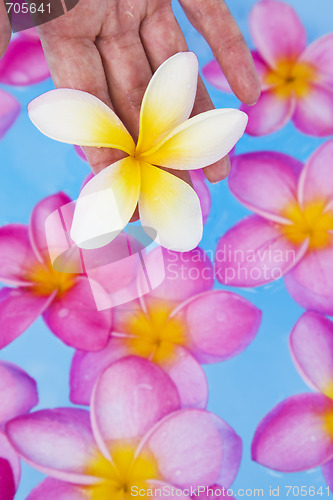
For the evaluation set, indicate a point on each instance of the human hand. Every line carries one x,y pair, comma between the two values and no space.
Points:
110,48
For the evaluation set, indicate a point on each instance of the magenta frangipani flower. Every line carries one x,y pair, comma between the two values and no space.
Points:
298,433
9,111
24,62
296,80
18,395
136,438
291,231
178,325
64,299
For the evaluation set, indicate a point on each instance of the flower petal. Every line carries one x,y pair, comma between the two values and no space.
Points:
188,448
24,63
202,190
277,31
231,452
168,100
254,252
7,484
16,254
269,114
52,489
18,310
10,468
311,345
200,141
76,117
9,111
171,207
310,283
186,274
320,55
39,215
106,204
219,324
88,366
57,442
73,316
293,436
265,182
316,181
314,114
18,392
189,378
327,470
215,76
129,397
214,492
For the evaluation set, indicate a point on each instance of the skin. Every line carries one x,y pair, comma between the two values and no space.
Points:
111,48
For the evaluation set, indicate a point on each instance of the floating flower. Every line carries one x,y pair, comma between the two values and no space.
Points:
24,62
291,231
9,111
166,139
198,180
64,299
178,325
297,81
18,395
136,438
298,433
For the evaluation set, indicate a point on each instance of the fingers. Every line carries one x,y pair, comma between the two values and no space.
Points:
75,62
214,21
126,65
5,29
162,37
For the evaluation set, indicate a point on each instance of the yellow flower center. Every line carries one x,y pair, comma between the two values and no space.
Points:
154,334
126,472
292,78
313,222
47,280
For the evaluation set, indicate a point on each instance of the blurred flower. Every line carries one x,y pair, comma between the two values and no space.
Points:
18,395
297,81
298,433
291,231
135,437
9,111
166,139
24,62
180,324
64,299
198,179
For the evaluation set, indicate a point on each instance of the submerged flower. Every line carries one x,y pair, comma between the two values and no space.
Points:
298,433
24,62
18,395
297,81
9,111
136,438
167,138
291,231
178,325
64,299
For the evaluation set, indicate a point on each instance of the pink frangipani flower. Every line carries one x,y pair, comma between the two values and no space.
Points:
9,111
18,395
291,231
24,62
135,438
65,300
296,80
298,433
180,324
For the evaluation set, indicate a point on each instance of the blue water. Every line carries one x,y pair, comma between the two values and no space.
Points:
243,389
